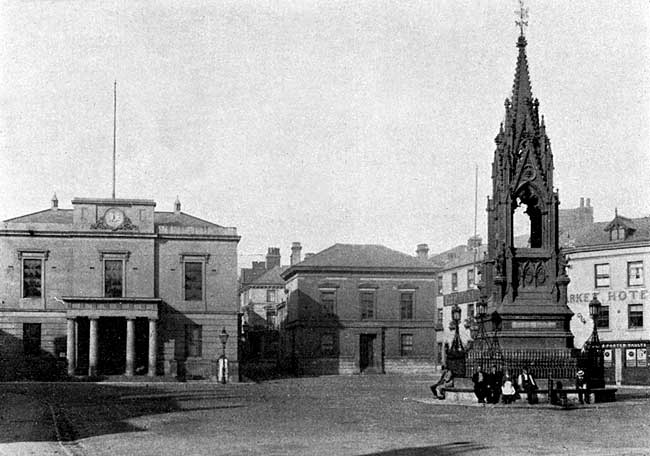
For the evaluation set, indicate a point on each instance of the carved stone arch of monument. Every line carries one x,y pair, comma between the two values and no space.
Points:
529,195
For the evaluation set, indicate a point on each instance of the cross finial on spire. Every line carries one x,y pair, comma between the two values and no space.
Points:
522,14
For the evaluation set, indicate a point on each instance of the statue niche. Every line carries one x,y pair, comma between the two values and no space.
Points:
526,213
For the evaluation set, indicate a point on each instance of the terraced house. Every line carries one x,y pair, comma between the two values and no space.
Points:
113,287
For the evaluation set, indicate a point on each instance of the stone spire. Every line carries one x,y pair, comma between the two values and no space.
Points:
522,95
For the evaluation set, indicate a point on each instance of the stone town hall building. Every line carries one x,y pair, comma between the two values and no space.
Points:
112,287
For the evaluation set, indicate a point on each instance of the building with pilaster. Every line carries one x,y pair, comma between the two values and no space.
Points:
113,287
359,309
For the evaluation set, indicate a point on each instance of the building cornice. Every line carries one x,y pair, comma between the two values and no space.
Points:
119,234
404,271
609,246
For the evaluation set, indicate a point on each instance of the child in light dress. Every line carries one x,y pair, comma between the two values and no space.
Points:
508,391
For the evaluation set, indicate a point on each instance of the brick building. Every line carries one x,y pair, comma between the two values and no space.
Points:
112,287
359,308
261,291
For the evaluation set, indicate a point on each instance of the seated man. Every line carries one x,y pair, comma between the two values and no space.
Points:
446,381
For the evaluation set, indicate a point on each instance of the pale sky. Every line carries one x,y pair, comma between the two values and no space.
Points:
318,121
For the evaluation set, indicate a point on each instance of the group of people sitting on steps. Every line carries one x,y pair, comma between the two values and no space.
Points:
491,387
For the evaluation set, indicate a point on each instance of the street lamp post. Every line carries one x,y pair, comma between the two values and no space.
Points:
223,337
596,367
456,354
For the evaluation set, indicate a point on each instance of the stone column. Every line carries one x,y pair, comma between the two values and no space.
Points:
71,346
76,342
92,348
130,346
153,348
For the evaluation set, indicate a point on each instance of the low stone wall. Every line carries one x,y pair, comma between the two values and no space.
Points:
409,366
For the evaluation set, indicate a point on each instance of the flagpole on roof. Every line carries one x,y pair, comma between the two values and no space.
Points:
114,130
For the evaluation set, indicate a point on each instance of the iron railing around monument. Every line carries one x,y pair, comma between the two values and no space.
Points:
542,363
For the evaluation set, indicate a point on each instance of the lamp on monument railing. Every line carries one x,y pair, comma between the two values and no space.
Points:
457,344
456,354
473,327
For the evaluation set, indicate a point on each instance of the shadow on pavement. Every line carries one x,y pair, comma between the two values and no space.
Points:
87,410
447,449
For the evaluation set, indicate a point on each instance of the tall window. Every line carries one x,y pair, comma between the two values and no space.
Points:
406,344
367,304
601,273
634,273
270,295
635,315
439,320
328,302
439,284
31,338
470,310
327,343
603,317
470,278
32,277
193,340
406,305
454,281
193,280
113,278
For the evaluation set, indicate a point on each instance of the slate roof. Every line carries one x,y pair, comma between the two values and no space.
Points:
60,216
181,219
458,256
598,233
360,257
270,277
64,217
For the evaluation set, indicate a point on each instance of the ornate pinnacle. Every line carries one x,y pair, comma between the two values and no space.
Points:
522,14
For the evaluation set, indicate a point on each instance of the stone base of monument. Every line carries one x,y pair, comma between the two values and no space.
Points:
463,392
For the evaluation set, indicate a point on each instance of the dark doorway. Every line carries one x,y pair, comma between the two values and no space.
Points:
112,345
141,346
83,335
366,351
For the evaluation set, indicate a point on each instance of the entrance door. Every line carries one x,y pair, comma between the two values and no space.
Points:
112,345
366,352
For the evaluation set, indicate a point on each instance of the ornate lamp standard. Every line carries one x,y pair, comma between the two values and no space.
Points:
223,365
596,362
456,354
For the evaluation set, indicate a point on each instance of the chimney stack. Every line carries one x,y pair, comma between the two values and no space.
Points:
582,202
296,248
588,202
272,258
55,202
423,251
474,242
177,206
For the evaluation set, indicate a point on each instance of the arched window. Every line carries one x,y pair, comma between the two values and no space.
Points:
527,218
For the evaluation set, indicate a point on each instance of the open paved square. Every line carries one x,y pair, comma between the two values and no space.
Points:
355,415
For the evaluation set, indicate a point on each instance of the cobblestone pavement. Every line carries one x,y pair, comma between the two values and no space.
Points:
358,415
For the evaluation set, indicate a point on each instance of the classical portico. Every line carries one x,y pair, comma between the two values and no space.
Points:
106,316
